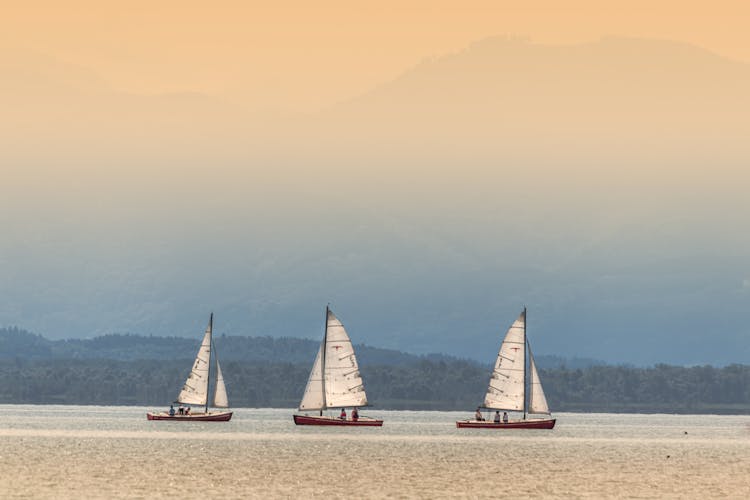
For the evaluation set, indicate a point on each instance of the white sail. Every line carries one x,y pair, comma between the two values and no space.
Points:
195,390
506,387
221,400
537,400
313,398
343,383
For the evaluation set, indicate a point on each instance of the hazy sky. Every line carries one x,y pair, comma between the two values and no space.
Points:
428,168
301,55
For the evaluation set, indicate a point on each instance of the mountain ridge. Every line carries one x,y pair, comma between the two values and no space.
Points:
21,344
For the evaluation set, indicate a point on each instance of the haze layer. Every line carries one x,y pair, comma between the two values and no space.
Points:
601,183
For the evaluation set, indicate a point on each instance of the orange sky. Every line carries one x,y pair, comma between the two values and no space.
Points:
304,55
605,179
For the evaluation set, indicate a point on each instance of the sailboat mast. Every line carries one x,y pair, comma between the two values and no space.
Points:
525,348
323,362
210,349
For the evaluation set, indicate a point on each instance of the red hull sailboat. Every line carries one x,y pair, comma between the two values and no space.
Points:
532,423
334,381
195,391
224,416
323,420
513,386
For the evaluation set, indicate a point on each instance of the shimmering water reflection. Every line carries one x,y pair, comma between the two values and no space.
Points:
75,451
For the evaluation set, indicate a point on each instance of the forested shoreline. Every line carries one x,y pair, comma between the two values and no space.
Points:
425,385
263,372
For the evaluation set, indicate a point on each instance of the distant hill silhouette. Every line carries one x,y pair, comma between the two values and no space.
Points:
16,343
550,108
494,100
81,119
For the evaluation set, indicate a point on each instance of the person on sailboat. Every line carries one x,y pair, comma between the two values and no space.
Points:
342,416
355,414
505,417
171,410
497,416
478,415
181,410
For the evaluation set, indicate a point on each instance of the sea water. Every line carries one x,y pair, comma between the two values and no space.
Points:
106,452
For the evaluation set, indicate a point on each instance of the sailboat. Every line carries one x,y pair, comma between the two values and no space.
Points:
195,391
334,381
513,386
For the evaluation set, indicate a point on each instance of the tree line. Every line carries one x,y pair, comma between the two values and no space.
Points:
424,384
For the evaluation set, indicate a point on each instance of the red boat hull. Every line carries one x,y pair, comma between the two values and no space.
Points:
315,420
224,416
548,423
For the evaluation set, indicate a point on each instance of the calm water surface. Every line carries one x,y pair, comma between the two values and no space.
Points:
105,452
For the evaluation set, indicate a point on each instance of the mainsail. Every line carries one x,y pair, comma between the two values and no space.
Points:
195,390
220,393
334,379
506,388
313,398
343,383
537,401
